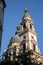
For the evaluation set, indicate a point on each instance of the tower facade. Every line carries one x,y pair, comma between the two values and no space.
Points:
2,6
26,32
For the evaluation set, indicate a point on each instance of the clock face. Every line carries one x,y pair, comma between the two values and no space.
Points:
1,5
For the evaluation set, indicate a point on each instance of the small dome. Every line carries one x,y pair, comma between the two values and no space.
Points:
16,38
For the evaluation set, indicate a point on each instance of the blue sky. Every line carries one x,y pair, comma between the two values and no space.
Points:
13,15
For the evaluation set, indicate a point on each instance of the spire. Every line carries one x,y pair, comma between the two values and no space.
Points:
26,14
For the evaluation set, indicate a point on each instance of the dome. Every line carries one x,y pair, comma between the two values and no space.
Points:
16,38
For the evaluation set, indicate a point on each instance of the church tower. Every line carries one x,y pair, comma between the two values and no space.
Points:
2,6
28,34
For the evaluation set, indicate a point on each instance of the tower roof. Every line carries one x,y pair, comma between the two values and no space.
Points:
3,3
26,14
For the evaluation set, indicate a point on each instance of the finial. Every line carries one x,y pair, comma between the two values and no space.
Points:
26,14
26,10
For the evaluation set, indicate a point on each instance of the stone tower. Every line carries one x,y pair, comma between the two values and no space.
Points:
2,6
27,33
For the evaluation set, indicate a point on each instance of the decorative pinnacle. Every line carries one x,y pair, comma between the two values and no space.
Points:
26,15
26,10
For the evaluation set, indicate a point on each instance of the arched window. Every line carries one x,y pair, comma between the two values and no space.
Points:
24,47
24,25
31,26
34,47
24,37
14,52
32,37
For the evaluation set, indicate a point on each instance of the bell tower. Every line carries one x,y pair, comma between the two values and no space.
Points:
28,34
2,6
